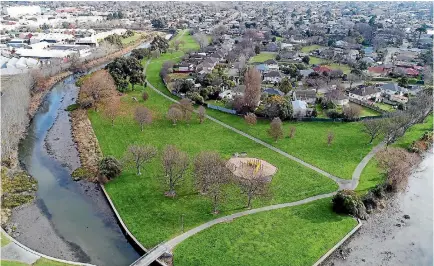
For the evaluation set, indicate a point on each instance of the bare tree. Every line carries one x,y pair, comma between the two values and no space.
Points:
395,126
175,164
211,175
201,39
353,78
250,119
143,116
111,109
252,181
330,138
175,113
137,155
352,111
292,132
99,86
201,112
241,64
397,164
252,92
187,108
373,127
276,130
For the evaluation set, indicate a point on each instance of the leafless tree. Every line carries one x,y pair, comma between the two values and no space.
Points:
111,109
187,108
201,39
252,181
201,112
252,93
352,111
397,164
292,132
175,165
276,130
15,101
330,138
211,175
175,113
373,127
143,116
99,86
138,155
241,64
353,78
250,119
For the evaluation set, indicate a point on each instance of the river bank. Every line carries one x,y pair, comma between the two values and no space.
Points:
387,237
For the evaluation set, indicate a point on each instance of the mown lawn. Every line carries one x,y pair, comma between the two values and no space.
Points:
40,262
319,61
151,216
4,240
349,147
131,39
263,56
307,49
372,174
291,236
385,107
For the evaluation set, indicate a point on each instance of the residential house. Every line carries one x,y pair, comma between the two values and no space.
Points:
322,69
262,68
366,93
272,65
337,97
391,89
305,72
309,96
273,91
273,77
183,68
299,108
378,71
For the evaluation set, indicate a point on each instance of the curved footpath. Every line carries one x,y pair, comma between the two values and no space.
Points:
167,246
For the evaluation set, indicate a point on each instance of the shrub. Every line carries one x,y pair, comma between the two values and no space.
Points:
250,118
81,173
110,168
196,97
347,202
333,114
86,103
72,107
145,96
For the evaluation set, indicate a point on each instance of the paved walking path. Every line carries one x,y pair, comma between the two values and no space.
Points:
14,252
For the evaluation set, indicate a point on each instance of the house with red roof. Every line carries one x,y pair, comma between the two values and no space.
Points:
378,71
322,69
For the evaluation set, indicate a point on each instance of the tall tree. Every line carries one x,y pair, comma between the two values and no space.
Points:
285,85
201,112
373,127
97,87
211,175
111,109
175,165
174,113
137,155
143,116
186,106
252,92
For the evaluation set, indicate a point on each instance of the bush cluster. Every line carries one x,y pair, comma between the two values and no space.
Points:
347,202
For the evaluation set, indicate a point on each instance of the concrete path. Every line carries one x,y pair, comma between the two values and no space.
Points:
16,253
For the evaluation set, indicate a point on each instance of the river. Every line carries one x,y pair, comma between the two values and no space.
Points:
387,238
69,220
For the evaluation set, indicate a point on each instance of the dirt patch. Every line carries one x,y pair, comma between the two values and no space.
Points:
268,170
87,144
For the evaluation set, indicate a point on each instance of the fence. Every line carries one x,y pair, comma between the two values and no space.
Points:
367,105
226,110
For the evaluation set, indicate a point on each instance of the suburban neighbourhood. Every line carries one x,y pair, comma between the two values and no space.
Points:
216,133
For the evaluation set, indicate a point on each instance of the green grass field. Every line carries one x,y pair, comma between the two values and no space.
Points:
307,49
263,56
291,236
152,217
310,142
385,107
319,61
131,39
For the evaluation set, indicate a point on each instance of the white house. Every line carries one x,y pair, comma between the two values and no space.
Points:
365,93
273,77
272,65
299,108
